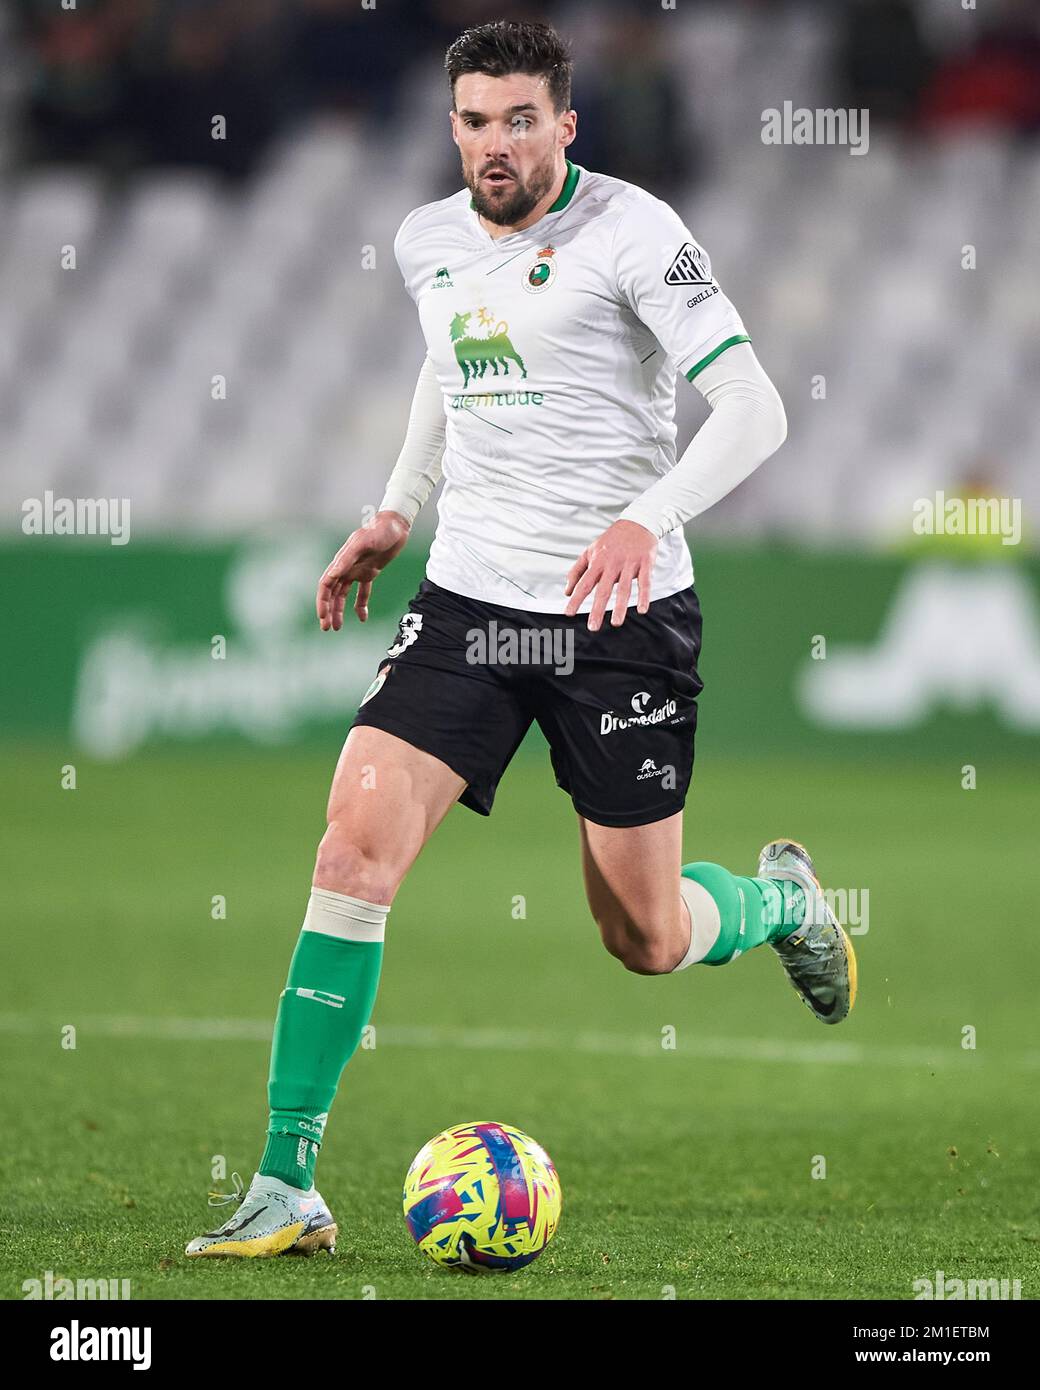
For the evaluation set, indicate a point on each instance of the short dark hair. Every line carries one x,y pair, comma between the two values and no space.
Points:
514,45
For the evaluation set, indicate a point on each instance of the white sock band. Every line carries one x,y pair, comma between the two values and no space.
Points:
351,919
705,922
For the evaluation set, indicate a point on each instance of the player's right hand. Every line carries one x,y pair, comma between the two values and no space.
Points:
358,561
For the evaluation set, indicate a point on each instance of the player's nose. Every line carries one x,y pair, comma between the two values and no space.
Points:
501,146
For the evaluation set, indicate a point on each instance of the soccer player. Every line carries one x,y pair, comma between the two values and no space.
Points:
558,306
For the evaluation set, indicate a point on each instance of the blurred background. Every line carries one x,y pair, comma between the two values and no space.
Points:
216,330
243,255
188,321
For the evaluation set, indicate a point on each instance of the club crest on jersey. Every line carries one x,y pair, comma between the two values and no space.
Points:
690,267
540,274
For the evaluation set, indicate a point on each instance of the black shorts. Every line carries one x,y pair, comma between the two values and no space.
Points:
465,679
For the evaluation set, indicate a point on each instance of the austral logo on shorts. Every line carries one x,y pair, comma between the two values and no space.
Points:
610,722
649,769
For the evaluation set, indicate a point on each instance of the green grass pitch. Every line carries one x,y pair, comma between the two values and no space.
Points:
686,1172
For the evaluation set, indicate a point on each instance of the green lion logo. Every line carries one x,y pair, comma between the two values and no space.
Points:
474,354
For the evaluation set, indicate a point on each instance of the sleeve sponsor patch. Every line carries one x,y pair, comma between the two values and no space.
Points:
690,267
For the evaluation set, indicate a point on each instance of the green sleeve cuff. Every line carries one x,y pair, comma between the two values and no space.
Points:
730,342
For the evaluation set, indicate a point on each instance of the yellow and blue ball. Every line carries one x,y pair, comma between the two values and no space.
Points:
482,1197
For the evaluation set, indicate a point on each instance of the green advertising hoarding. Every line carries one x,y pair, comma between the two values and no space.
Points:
113,648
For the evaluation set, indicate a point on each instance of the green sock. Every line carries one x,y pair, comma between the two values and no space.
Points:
322,1012
751,910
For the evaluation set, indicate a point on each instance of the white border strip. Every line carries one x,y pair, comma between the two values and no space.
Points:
172,1029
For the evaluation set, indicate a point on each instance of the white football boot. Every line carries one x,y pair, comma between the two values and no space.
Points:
273,1219
817,955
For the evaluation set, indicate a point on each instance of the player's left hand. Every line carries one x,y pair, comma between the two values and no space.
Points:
624,553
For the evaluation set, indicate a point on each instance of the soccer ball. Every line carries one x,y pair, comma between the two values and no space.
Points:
482,1197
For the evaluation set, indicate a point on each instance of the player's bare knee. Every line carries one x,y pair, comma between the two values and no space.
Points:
647,956
639,951
343,865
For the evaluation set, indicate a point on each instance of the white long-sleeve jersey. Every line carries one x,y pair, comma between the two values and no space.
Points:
553,353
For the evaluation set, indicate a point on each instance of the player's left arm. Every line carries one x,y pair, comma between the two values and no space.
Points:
747,423
703,333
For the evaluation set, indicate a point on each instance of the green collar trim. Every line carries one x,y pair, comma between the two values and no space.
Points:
570,183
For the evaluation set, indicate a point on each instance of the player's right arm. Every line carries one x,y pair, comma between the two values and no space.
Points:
371,547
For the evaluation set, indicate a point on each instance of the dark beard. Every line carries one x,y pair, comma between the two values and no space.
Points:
516,207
